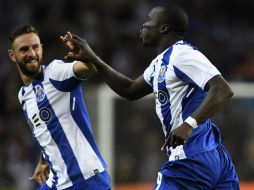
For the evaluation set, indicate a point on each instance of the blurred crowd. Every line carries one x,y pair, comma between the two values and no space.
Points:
222,30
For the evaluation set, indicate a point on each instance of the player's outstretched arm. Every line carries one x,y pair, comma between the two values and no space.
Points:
79,49
41,171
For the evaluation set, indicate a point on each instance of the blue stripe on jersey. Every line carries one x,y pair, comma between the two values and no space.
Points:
46,157
65,85
55,178
81,118
23,91
60,138
30,124
183,76
191,100
163,93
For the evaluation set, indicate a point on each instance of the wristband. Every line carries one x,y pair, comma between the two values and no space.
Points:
192,122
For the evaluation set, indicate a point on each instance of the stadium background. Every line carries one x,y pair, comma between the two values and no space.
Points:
222,30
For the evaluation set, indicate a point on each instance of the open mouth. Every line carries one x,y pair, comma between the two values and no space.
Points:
34,61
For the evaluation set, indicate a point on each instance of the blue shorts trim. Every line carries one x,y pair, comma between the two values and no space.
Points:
211,170
100,181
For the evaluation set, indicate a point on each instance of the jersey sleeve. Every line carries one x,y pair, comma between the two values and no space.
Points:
61,75
148,74
60,70
194,68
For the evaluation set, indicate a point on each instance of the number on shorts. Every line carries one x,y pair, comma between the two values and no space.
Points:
159,179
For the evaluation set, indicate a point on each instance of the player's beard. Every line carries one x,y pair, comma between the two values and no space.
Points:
28,68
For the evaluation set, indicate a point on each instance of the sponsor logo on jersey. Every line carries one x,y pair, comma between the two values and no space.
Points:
45,114
161,96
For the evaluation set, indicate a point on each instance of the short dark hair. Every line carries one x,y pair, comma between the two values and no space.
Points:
177,18
20,30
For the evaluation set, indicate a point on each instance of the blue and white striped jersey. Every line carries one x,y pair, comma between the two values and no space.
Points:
55,110
178,77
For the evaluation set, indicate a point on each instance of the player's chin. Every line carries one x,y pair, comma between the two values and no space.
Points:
146,42
33,69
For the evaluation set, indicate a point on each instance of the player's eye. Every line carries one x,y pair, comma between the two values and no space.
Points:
36,46
24,49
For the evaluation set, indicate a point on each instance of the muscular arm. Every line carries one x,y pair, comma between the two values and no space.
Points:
219,93
121,84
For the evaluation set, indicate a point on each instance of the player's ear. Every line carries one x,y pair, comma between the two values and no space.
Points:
164,28
11,55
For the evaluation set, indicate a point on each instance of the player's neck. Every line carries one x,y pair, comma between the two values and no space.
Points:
166,42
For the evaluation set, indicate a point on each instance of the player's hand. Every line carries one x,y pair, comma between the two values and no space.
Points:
178,136
41,173
79,49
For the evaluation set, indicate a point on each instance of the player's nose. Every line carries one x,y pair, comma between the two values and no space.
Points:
31,53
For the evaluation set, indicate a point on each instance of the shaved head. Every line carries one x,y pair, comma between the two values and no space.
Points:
175,17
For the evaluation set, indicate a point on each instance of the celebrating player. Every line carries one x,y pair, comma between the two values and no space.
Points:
54,108
188,90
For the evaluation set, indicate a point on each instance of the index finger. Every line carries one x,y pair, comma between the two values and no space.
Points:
69,34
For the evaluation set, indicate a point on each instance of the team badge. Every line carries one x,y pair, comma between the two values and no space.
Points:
161,77
39,92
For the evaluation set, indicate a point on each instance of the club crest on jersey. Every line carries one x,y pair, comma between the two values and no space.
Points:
161,77
39,92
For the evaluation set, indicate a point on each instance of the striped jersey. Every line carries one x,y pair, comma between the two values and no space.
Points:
55,111
178,77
